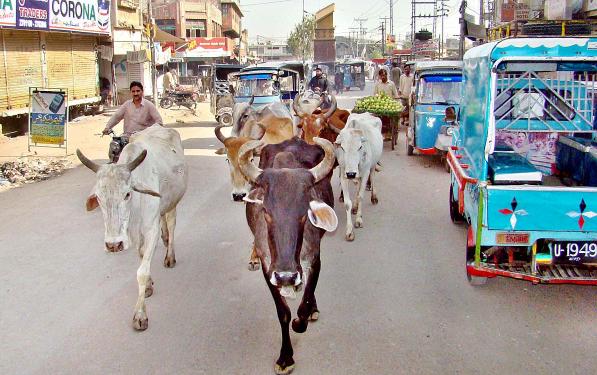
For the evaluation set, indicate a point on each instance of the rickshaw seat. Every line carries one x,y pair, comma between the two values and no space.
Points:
506,167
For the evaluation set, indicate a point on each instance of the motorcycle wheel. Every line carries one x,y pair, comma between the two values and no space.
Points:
166,103
225,119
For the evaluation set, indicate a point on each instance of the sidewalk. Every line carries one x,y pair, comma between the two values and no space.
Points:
82,134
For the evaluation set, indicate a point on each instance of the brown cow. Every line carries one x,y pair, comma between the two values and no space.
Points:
316,124
272,123
288,212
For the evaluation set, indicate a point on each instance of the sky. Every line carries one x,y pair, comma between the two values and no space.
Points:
274,19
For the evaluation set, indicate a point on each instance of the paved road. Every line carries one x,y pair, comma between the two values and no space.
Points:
395,301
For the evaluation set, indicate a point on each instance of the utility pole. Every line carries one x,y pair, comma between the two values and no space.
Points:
443,14
391,17
384,31
462,29
360,21
154,84
481,13
303,42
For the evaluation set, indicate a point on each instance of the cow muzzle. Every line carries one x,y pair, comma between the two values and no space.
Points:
114,247
238,197
351,175
283,279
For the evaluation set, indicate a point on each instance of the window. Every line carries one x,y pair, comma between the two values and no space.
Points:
439,90
195,28
168,26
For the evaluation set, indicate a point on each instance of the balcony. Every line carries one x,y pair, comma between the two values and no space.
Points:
231,15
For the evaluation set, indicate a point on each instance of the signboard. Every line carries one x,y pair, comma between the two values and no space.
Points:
8,12
48,116
206,47
32,14
91,16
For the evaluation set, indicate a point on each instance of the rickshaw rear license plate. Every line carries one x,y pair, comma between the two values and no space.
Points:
574,252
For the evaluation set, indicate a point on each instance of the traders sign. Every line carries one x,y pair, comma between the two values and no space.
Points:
32,14
47,120
91,16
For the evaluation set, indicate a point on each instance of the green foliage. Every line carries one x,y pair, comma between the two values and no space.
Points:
376,54
301,38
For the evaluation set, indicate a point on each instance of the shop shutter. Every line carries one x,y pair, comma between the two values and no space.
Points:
135,72
59,61
86,79
3,82
23,65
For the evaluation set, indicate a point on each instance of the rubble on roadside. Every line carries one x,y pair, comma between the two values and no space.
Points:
30,169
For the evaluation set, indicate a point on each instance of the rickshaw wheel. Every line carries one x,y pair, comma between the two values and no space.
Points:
225,119
455,216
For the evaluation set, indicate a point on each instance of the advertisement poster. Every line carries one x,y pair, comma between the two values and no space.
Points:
92,16
538,148
32,14
206,47
48,117
8,12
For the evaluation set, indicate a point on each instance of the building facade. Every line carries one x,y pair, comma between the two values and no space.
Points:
324,44
46,46
271,52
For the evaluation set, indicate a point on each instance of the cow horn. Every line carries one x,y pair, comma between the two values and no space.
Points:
138,160
219,134
252,100
332,109
325,166
246,167
335,129
86,162
296,108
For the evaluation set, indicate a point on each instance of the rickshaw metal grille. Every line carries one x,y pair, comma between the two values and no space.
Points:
547,272
563,91
221,88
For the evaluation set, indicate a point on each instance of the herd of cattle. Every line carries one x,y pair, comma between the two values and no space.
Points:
288,195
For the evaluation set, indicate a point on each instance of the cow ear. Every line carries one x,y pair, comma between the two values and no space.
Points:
92,202
221,151
255,196
322,216
140,188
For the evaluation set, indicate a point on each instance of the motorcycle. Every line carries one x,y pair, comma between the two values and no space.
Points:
180,98
116,145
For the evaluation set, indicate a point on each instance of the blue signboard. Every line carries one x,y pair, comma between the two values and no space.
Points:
33,14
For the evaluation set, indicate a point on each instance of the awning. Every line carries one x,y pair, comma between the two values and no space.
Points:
162,36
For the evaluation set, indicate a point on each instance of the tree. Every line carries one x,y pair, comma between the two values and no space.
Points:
301,38
376,54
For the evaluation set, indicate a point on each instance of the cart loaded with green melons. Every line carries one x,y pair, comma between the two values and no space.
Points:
384,107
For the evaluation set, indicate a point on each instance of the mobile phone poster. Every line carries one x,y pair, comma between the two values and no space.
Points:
48,118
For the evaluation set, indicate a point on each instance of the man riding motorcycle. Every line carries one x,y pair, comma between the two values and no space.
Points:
138,114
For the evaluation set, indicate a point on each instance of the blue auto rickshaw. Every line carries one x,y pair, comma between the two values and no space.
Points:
272,82
434,102
524,161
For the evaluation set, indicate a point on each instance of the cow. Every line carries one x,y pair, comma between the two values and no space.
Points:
358,150
288,212
272,123
316,124
138,196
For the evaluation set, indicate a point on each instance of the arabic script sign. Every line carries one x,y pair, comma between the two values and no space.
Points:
47,120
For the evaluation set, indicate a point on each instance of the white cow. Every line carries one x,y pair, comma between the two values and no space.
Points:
138,197
358,150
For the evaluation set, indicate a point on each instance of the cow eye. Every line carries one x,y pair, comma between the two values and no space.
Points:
127,196
227,160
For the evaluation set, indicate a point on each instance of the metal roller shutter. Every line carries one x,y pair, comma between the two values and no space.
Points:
3,81
59,61
23,65
86,80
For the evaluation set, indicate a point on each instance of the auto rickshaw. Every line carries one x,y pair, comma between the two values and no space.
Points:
354,73
222,98
523,161
270,82
435,99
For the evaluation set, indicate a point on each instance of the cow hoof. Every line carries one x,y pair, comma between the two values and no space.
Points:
284,370
140,321
314,316
299,326
149,289
368,187
254,265
358,223
169,262
374,200
350,236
